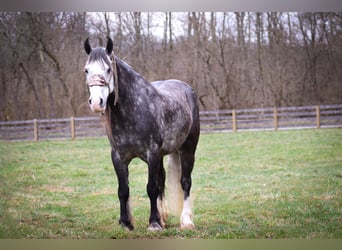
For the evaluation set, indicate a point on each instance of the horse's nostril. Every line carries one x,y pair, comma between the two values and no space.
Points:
89,101
101,101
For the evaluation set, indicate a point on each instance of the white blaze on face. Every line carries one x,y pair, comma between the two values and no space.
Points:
98,98
99,94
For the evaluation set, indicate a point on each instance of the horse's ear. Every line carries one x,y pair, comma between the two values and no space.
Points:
87,46
109,47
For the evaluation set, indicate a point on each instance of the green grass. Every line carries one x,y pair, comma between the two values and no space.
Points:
284,184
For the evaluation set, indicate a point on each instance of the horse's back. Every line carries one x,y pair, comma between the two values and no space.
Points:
177,90
171,84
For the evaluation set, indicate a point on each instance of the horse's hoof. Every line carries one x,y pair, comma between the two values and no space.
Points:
154,227
188,226
127,226
186,221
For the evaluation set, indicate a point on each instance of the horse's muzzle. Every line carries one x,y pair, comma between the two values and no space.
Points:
97,105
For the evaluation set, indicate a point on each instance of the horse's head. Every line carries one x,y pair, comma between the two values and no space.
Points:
100,71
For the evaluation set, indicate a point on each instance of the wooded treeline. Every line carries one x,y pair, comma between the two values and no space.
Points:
233,60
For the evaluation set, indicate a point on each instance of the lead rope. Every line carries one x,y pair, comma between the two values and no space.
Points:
115,75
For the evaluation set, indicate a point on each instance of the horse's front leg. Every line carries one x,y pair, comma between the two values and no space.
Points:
121,169
153,192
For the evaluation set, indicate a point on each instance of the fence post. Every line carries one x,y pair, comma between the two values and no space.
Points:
275,115
318,117
72,127
234,120
35,130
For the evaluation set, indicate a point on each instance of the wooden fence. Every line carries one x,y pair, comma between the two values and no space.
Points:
211,121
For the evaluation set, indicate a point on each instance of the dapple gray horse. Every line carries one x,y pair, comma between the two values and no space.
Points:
147,120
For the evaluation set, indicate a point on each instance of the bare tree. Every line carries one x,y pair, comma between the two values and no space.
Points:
233,60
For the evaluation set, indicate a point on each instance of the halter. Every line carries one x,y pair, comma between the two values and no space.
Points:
99,80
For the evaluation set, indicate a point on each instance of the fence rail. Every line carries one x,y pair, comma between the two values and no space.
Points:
211,121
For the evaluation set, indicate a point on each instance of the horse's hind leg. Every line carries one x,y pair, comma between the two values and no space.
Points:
187,157
187,162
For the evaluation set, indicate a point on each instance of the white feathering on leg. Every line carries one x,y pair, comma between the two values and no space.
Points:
186,217
129,209
163,210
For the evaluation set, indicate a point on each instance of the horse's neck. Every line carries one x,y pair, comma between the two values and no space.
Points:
130,80
130,85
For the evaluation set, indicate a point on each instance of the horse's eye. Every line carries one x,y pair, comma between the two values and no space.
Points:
86,71
108,70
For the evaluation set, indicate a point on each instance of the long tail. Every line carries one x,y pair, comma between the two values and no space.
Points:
175,195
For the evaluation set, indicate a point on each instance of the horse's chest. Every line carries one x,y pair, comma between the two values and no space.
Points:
135,140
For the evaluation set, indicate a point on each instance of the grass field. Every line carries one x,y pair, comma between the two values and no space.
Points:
284,184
